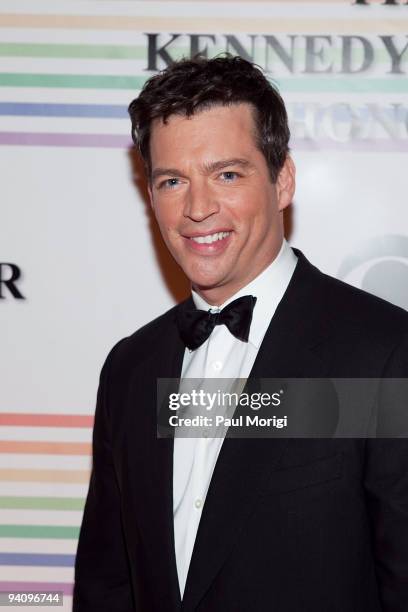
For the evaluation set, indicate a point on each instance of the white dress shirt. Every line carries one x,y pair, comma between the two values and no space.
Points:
221,356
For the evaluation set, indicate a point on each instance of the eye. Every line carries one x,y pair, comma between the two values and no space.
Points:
169,183
229,176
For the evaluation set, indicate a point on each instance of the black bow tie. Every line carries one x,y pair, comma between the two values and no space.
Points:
195,325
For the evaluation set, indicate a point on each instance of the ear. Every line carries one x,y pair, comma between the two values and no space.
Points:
286,183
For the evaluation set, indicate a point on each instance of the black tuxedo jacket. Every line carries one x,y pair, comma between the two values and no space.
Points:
289,525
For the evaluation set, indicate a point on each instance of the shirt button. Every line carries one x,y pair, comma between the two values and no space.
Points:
198,503
217,365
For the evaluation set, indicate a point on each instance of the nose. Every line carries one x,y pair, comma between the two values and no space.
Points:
201,201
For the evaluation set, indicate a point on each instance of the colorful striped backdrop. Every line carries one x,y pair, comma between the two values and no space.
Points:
44,472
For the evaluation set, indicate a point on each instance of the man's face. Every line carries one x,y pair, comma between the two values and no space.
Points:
218,211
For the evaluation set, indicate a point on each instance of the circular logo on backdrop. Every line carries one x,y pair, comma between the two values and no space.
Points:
380,266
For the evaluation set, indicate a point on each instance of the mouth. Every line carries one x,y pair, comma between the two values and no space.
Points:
209,243
210,238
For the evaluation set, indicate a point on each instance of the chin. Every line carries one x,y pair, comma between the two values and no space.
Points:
208,283
203,279
205,282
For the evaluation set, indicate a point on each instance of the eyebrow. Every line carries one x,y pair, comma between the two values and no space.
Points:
165,172
208,167
224,163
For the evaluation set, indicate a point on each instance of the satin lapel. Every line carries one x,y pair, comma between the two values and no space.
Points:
150,465
244,465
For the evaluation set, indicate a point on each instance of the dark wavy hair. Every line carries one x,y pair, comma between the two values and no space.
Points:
192,85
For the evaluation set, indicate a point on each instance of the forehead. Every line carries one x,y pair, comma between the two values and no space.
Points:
218,127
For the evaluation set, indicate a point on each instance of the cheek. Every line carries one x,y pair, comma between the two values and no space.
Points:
259,224
240,207
252,213
168,209
165,217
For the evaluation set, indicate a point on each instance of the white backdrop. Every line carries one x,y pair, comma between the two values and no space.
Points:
75,222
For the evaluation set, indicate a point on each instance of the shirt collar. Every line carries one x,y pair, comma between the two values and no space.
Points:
268,288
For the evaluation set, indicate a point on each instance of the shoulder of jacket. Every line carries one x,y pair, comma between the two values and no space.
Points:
133,348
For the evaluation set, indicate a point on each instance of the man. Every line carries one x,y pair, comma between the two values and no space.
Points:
284,524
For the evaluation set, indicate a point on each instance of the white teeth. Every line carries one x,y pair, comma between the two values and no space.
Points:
211,238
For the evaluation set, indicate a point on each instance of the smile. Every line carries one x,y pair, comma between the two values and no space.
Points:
210,238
